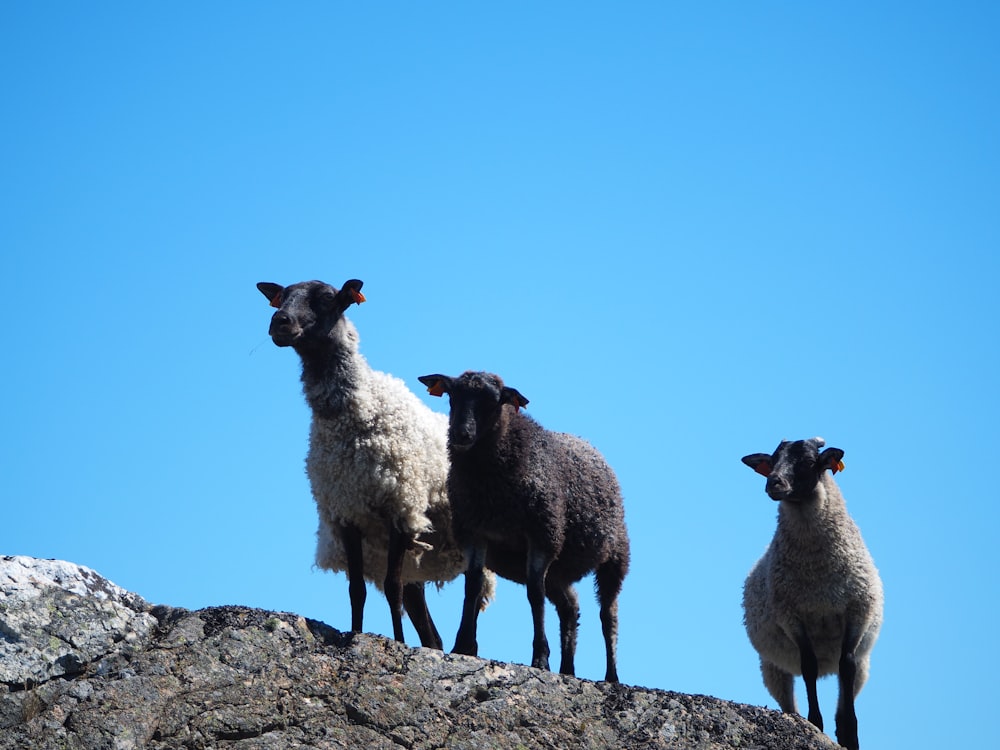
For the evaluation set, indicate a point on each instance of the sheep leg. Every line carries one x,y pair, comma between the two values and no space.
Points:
568,608
538,566
810,673
351,537
609,577
415,603
465,641
847,719
398,544
781,685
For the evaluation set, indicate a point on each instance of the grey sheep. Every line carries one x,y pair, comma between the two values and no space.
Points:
538,507
377,462
813,603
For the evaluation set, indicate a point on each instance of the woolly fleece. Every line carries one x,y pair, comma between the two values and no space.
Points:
383,459
816,570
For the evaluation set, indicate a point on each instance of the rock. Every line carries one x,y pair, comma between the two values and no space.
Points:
56,617
89,665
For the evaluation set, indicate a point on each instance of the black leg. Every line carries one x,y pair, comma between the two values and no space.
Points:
398,544
465,641
415,603
538,565
568,608
609,579
810,673
351,537
847,719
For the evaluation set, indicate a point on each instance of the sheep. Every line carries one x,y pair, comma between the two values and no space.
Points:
377,461
813,603
539,508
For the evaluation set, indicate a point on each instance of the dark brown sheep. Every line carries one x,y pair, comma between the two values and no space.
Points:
538,507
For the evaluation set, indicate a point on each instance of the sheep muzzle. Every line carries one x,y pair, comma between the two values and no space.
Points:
283,330
778,488
461,442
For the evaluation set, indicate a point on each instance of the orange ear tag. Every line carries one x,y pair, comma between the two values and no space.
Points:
358,296
838,467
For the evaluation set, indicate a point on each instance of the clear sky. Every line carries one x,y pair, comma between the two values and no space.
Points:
683,231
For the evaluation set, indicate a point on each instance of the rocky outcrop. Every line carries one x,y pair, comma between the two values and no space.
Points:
86,664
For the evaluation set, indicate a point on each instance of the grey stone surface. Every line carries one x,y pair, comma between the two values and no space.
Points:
88,665
56,617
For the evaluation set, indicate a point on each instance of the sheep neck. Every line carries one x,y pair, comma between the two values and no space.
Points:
816,519
331,373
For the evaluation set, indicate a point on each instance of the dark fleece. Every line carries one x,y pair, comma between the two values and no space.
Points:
522,482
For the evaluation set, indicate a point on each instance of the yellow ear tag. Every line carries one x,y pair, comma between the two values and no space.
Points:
358,296
838,467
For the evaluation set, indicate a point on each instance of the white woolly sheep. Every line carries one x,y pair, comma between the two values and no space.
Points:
538,507
813,603
377,461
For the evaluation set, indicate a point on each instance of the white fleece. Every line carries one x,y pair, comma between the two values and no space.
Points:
383,459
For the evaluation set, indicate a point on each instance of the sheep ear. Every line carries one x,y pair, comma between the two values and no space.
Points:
759,462
832,459
437,385
272,291
350,294
512,396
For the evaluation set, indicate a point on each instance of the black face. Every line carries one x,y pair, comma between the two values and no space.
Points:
307,311
476,400
795,470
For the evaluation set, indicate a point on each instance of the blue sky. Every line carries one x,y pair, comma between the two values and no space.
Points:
684,232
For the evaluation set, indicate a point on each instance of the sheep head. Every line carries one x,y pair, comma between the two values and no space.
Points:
477,401
795,468
307,311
